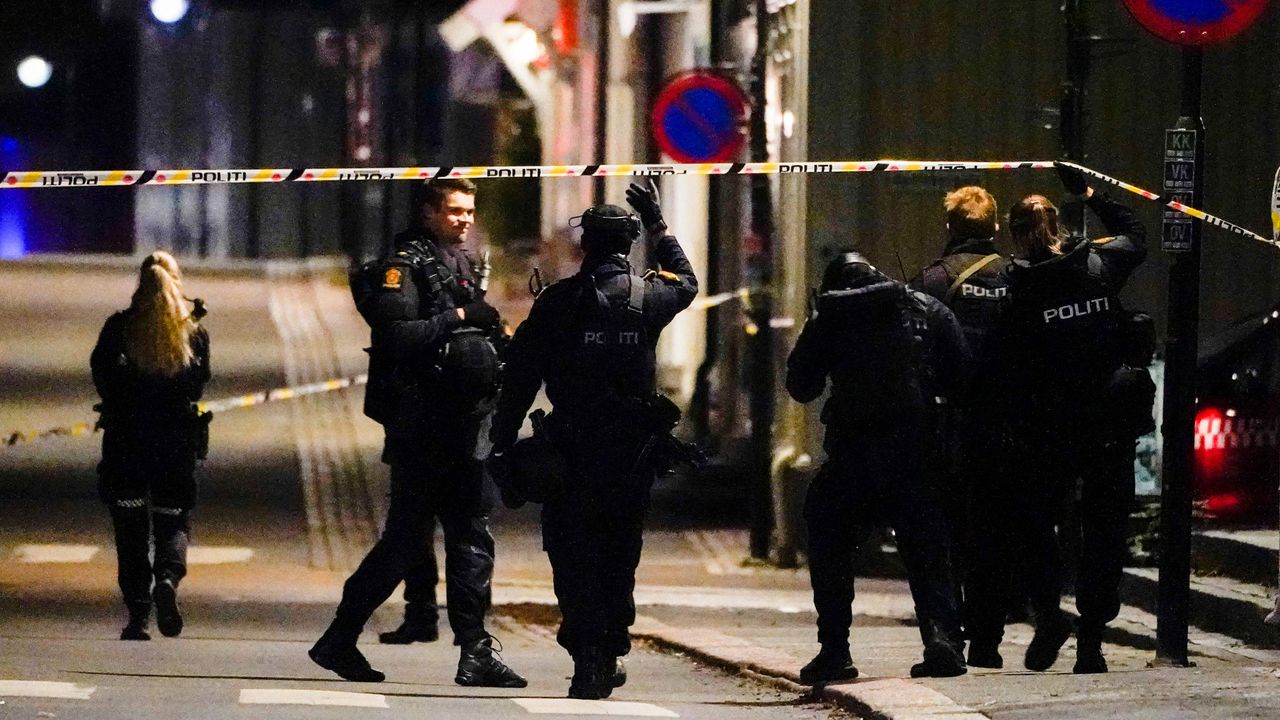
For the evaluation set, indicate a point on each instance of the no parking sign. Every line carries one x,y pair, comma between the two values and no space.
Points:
698,118
1196,22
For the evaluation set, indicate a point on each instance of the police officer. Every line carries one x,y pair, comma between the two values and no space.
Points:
150,366
592,338
888,352
1056,355
432,376
969,279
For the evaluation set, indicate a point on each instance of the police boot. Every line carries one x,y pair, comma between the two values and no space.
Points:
480,666
985,654
415,628
943,656
831,664
1051,632
1089,659
619,673
593,675
168,618
139,619
339,655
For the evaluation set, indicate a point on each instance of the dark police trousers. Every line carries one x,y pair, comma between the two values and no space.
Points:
593,535
1016,512
420,581
147,479
871,481
429,479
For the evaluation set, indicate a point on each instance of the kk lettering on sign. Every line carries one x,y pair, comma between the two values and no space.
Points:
1088,307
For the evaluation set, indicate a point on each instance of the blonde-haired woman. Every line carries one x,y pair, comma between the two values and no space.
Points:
150,366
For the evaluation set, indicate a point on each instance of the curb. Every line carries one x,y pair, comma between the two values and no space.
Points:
878,699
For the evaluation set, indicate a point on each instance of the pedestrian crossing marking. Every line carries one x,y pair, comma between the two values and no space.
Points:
611,708
267,696
55,553
44,689
217,554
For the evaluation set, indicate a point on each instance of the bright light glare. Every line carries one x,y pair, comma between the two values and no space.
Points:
169,11
34,71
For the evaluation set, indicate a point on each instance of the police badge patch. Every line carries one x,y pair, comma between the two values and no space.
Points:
391,280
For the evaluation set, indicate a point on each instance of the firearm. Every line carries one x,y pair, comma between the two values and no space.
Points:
536,284
663,451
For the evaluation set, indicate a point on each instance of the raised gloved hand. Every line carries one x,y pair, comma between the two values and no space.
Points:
1072,179
480,314
644,199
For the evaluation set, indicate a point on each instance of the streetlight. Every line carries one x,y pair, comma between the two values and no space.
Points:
169,11
34,71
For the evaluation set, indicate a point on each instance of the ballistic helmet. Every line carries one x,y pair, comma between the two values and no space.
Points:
848,270
607,228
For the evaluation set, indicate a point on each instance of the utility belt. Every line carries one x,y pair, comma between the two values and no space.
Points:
195,421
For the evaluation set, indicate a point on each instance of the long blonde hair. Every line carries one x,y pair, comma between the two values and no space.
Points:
1035,228
158,334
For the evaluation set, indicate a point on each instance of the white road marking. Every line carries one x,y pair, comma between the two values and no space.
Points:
44,689
217,555
311,697
55,553
557,706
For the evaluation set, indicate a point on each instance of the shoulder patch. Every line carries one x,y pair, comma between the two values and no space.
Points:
392,278
1103,240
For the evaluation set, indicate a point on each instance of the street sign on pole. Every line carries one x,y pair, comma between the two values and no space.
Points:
1179,183
1196,22
699,117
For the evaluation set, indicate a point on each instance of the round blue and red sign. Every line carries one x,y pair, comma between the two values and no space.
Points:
1196,22
699,118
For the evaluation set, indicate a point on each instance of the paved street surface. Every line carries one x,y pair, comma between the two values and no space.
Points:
292,496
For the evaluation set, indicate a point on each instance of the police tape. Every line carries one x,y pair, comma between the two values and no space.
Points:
106,178
231,403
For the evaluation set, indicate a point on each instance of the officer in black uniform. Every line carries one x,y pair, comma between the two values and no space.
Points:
432,378
1057,353
889,352
592,338
969,279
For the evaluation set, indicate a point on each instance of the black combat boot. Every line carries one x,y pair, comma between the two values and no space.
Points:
416,628
168,618
139,619
1089,659
339,655
831,664
619,673
943,654
985,654
480,666
593,675
1051,633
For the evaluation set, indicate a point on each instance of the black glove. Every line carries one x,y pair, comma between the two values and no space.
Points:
480,314
499,467
645,202
1072,179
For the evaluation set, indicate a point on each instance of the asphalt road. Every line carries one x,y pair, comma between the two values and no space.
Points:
291,496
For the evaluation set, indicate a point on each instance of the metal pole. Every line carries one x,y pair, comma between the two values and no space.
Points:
1072,110
1181,348
760,275
602,95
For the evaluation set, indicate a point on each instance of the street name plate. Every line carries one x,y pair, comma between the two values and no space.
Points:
1179,184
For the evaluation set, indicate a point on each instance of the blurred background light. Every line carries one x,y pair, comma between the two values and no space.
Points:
34,71
169,11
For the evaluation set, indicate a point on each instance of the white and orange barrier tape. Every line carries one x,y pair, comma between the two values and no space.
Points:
239,401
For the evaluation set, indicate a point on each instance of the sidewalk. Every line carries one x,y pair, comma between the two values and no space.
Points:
1226,682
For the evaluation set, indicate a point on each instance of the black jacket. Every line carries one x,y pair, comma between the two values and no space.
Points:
888,351
132,398
1059,342
585,355
978,301
411,307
